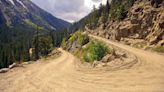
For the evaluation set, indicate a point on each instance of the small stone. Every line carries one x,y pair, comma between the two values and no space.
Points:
95,63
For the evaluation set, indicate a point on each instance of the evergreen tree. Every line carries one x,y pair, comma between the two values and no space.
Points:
36,44
105,13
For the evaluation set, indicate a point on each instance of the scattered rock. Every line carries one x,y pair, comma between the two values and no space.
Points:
12,66
101,65
120,54
95,63
108,58
143,21
26,63
4,70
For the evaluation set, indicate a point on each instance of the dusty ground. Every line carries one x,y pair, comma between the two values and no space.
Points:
62,75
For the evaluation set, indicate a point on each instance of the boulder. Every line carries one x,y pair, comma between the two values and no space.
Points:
12,66
98,64
4,70
95,63
108,58
120,54
101,65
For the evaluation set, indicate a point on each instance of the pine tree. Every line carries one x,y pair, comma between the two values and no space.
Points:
36,44
105,13
100,9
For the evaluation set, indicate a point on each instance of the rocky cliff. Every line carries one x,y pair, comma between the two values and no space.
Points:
144,21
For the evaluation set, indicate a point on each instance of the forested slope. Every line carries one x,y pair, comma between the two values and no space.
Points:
23,28
138,23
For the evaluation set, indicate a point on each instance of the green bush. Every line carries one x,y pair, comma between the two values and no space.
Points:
74,37
64,43
159,49
94,51
83,39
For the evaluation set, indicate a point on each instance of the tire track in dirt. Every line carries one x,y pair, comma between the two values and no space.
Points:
63,75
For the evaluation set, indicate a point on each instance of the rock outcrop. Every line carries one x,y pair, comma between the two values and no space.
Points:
144,20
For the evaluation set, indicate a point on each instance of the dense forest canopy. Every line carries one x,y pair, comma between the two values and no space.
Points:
15,43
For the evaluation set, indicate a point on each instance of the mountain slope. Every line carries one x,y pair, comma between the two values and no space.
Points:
21,22
135,22
24,12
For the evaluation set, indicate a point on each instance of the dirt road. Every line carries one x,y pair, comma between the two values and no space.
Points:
62,75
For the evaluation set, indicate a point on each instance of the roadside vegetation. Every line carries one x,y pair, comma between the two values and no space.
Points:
159,49
78,37
94,51
86,49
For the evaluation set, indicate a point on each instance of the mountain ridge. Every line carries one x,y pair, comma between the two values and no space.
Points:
17,12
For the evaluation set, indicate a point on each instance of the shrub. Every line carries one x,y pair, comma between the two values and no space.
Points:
72,38
94,51
83,39
159,49
64,43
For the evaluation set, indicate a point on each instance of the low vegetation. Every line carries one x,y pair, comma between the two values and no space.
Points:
159,49
83,39
78,37
88,51
94,51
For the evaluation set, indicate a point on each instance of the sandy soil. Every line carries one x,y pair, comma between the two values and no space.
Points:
62,75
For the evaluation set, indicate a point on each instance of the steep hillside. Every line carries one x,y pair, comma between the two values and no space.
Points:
25,27
139,23
24,12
